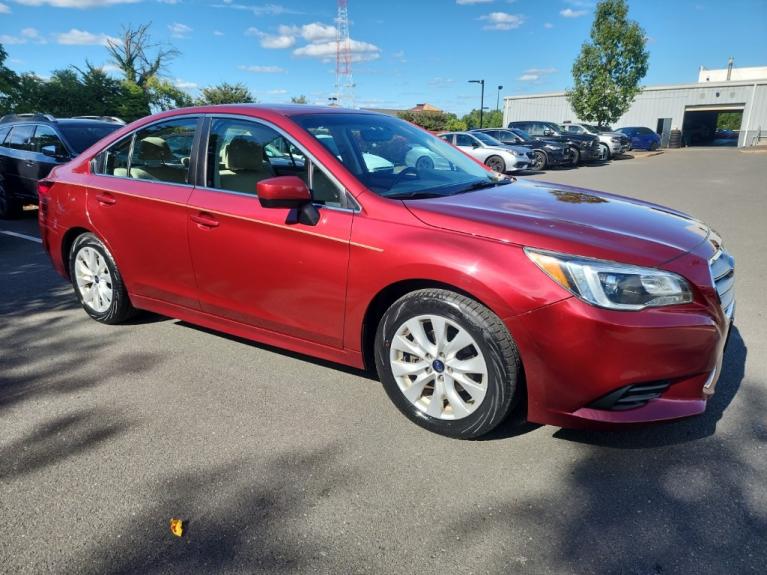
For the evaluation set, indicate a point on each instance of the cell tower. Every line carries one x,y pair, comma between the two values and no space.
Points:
344,80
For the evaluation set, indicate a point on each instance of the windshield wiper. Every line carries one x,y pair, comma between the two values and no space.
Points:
421,195
484,184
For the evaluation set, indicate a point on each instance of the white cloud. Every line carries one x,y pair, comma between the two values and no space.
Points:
270,41
178,30
535,74
77,37
218,33
257,10
548,25
4,8
360,51
26,35
185,85
502,21
468,2
169,1
262,69
278,91
75,3
318,32
570,13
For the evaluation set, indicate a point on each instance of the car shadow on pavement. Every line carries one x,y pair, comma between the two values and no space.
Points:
367,374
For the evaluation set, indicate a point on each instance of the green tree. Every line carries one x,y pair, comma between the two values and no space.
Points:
433,121
491,119
729,120
137,56
28,94
609,68
134,102
9,83
165,96
299,99
226,93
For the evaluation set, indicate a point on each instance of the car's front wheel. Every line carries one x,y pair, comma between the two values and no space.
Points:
10,206
496,163
447,362
424,163
575,156
539,160
604,152
97,281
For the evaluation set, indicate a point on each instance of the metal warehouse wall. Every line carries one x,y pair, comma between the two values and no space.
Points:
657,102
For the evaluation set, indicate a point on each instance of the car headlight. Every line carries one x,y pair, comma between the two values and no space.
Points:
513,153
616,140
612,285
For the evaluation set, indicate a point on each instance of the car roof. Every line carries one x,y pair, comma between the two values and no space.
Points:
282,109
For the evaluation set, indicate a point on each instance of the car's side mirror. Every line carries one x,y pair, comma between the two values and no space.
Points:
548,132
51,152
288,192
474,145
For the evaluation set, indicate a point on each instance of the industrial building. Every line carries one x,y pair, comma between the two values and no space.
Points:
692,108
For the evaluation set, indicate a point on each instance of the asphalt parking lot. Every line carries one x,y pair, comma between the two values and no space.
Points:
283,464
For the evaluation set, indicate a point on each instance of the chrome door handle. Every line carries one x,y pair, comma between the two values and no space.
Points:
205,220
106,199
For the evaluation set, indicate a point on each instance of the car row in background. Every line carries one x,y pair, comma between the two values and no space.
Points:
583,147
32,144
545,154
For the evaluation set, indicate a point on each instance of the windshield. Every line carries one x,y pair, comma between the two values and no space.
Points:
395,159
81,136
486,139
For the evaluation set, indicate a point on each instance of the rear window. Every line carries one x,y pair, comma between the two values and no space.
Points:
82,137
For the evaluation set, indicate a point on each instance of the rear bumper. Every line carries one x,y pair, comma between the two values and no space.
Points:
576,355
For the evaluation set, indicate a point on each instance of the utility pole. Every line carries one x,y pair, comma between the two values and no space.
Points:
498,99
482,99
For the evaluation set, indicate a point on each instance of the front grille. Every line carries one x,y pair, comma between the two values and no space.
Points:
722,267
631,396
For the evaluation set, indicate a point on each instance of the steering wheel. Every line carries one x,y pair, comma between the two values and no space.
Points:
409,170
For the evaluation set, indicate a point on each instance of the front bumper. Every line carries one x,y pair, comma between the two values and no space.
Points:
591,367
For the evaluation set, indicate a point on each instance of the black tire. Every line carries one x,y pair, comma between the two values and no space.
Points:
653,146
604,154
496,163
575,156
120,309
10,206
540,161
490,335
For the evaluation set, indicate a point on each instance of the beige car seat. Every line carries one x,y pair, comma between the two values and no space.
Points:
152,156
244,166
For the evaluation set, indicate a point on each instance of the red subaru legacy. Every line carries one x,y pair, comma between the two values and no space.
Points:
361,239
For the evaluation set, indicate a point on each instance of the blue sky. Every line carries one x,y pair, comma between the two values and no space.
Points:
405,52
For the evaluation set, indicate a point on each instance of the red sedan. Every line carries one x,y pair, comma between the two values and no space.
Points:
324,231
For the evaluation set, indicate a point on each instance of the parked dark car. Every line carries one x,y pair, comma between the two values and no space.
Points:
32,144
584,147
641,138
546,154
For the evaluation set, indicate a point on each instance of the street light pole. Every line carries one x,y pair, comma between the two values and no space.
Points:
482,99
498,99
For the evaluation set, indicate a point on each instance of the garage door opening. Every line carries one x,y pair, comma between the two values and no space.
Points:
714,126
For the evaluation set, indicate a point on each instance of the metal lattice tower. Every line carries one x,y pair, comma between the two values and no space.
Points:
344,79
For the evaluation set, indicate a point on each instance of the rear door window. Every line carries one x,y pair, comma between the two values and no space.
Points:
45,137
464,141
21,137
162,151
114,160
3,134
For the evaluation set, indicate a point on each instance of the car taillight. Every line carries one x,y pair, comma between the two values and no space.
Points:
43,187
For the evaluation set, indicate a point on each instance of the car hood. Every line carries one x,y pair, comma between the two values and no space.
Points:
566,219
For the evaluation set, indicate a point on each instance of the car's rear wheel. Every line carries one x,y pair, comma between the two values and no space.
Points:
447,362
10,206
97,281
604,152
539,160
653,146
424,163
496,163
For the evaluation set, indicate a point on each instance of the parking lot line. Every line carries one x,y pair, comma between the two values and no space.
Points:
22,236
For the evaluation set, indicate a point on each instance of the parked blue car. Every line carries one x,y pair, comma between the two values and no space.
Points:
642,138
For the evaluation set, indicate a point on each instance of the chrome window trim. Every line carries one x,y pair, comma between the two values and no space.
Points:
314,161
255,197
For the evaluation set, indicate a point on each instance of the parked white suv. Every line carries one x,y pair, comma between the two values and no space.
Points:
610,142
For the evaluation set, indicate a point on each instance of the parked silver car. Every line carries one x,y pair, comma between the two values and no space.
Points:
610,143
494,154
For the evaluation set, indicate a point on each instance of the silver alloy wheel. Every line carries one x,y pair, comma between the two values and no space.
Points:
94,281
424,163
604,152
496,164
438,367
540,160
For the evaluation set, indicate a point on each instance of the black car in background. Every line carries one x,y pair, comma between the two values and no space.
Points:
547,154
32,144
584,147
